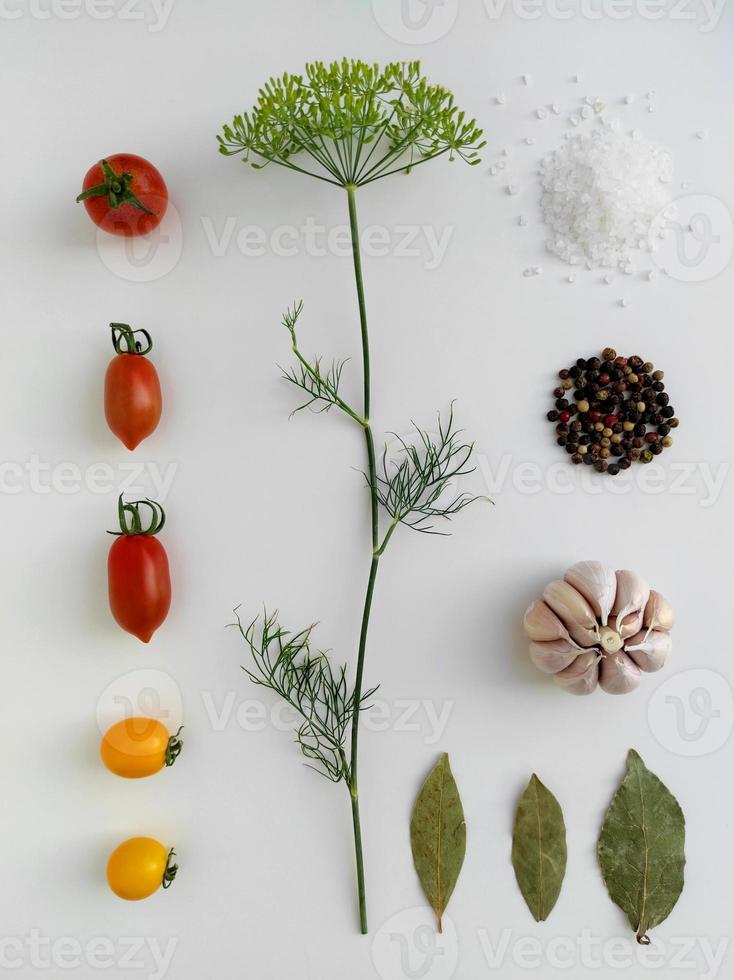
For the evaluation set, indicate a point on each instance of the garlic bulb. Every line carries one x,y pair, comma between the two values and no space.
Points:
598,627
597,584
618,674
650,649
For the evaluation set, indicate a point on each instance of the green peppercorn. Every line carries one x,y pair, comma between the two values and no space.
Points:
647,367
658,375
646,456
668,441
673,423
609,353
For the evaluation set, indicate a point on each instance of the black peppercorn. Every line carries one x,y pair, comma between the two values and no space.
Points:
612,469
552,416
562,440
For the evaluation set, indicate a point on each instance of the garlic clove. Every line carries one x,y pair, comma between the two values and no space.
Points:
650,649
629,625
633,593
582,676
618,674
597,583
658,614
575,612
553,655
541,623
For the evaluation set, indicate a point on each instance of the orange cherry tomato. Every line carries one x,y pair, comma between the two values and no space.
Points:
139,866
137,747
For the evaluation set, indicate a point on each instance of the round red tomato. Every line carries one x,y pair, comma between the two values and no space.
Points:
124,195
132,391
137,571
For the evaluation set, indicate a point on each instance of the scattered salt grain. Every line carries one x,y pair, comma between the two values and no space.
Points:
603,193
541,113
522,220
608,279
556,109
702,134
512,189
527,79
500,98
571,278
629,99
530,141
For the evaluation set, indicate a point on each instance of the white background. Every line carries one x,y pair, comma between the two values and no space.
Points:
263,509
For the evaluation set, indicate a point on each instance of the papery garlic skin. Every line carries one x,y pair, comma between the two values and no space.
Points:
598,627
553,656
650,649
597,584
618,674
582,676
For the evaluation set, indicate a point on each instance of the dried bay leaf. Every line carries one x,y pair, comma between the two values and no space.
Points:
438,836
642,848
539,848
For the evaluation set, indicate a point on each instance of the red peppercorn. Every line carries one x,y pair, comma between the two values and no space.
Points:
610,420
651,437
594,416
564,416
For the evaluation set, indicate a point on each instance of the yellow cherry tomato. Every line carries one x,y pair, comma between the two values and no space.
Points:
136,747
138,867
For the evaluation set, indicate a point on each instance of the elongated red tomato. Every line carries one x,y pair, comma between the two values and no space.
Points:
138,577
132,391
125,195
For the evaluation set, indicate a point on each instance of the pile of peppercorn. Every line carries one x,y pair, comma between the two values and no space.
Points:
618,414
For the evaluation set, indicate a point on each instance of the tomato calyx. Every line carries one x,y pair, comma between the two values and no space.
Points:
131,523
124,342
170,871
116,188
173,749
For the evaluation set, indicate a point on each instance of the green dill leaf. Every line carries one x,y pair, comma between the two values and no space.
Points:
351,123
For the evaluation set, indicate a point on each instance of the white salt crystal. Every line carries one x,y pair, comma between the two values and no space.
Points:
527,79
512,189
522,220
603,194
500,98
541,113
556,109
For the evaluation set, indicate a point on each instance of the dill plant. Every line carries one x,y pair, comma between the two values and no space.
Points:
349,124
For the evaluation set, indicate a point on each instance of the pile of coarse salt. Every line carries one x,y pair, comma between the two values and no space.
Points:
605,195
